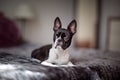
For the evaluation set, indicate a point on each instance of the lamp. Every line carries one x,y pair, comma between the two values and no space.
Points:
23,14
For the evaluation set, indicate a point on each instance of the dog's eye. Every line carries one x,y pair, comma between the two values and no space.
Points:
63,35
66,38
58,34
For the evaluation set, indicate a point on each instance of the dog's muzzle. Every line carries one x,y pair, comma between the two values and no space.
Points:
59,42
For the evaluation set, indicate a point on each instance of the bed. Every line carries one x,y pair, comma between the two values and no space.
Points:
90,64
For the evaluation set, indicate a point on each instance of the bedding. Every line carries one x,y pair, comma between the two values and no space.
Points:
90,64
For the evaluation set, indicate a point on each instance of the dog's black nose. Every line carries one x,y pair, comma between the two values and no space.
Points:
59,40
54,63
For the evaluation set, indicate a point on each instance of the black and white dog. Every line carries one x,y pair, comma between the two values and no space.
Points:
58,53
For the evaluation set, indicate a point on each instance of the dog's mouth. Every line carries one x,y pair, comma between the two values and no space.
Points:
59,44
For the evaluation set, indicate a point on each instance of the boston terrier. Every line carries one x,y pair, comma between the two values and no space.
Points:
57,53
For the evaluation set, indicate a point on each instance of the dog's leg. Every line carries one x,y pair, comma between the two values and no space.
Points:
46,63
70,64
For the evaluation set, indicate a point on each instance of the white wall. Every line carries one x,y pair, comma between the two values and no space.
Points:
109,8
86,14
40,30
114,36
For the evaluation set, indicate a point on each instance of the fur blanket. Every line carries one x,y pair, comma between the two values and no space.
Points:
90,64
14,67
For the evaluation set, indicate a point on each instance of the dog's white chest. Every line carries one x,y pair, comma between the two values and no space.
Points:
58,56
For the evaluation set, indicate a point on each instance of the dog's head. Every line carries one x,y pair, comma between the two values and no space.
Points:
62,37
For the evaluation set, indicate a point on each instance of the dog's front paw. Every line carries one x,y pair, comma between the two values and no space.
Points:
70,64
48,64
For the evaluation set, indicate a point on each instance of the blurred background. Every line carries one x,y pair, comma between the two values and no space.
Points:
98,21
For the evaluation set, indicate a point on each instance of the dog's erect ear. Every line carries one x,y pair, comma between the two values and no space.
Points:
72,26
57,24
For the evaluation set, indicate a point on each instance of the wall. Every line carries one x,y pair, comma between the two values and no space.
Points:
114,34
86,14
40,30
109,8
